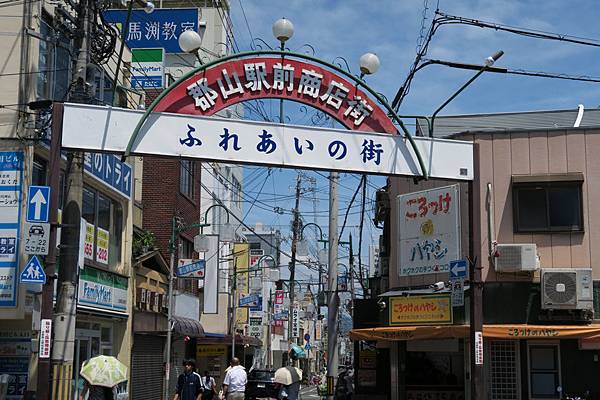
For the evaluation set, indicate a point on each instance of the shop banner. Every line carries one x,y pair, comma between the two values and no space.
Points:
242,259
279,297
256,328
210,350
15,349
102,240
88,244
518,331
102,290
295,320
429,231
421,310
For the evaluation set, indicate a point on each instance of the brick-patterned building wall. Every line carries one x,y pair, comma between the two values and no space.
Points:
162,199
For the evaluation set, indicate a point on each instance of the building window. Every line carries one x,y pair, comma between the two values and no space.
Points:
38,173
105,217
547,207
504,369
186,178
544,368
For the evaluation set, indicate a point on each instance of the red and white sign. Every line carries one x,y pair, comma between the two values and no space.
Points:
45,338
240,80
279,297
478,348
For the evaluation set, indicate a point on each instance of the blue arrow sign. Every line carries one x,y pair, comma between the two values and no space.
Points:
38,204
458,269
33,272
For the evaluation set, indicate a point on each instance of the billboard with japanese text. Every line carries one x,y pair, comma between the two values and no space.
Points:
428,230
159,29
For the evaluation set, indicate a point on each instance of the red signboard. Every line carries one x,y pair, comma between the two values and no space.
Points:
279,297
235,81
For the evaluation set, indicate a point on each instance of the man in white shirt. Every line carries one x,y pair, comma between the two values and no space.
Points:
234,384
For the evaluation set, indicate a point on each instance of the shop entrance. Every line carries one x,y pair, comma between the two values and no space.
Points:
435,369
91,339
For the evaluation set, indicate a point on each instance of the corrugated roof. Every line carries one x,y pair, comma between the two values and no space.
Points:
446,126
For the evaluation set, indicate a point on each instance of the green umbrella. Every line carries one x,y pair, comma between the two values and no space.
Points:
104,371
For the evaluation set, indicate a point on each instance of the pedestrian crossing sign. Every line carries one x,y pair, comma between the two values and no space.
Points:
33,272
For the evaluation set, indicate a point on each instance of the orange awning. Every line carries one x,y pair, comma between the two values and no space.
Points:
504,331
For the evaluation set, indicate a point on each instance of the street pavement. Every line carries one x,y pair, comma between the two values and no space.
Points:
309,393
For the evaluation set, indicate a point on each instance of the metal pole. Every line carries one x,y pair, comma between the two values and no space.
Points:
295,232
333,301
269,329
171,305
233,309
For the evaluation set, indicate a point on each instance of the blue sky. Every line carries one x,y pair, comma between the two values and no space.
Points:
391,30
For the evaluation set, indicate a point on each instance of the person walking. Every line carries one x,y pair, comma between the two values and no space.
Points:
234,384
210,386
95,392
189,383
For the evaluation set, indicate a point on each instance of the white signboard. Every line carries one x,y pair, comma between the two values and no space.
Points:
296,321
36,237
88,244
429,230
458,292
102,240
211,276
45,338
478,348
256,328
251,142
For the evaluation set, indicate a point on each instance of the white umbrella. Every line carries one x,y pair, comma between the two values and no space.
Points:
288,375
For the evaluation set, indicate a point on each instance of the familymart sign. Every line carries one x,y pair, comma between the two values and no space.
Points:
147,68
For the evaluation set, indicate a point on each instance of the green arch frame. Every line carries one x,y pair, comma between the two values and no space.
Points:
283,54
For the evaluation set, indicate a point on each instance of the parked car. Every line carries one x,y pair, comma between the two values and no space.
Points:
261,383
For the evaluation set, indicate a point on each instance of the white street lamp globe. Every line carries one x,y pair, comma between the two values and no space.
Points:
190,41
149,8
283,29
302,248
369,63
227,232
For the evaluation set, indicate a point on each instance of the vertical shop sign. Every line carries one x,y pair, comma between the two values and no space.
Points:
429,226
296,320
478,348
45,338
11,177
102,240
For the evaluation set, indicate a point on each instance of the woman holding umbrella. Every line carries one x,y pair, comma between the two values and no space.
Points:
102,374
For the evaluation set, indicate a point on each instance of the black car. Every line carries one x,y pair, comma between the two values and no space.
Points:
261,384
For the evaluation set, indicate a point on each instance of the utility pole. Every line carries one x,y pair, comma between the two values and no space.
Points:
63,340
171,301
351,266
333,300
295,234
43,378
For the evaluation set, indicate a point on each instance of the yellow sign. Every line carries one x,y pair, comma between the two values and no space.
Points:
102,238
241,256
421,310
210,350
88,250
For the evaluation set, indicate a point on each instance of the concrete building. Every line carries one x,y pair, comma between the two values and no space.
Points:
38,66
528,220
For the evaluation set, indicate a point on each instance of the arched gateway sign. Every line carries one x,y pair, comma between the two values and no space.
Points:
179,122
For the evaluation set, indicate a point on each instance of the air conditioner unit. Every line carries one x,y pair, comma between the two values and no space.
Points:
516,258
567,289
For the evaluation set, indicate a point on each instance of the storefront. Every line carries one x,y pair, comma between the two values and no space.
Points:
521,361
101,318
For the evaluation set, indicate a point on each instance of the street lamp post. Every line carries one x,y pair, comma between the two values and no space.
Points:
488,63
283,30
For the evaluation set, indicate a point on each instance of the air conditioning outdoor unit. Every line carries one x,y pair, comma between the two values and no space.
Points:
516,258
567,289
